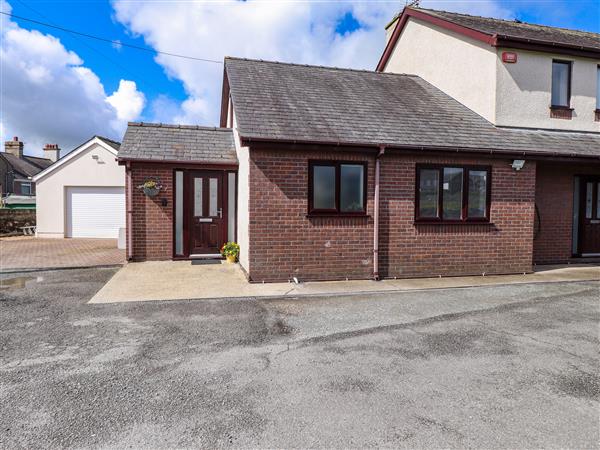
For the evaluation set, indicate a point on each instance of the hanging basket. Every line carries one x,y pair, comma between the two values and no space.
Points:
151,192
151,187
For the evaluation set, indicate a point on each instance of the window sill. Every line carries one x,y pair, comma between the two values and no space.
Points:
561,112
337,215
453,222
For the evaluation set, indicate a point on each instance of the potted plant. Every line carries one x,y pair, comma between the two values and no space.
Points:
151,187
230,251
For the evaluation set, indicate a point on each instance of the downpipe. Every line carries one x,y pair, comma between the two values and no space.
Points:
376,215
129,212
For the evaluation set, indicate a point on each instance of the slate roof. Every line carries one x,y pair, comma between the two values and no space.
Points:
520,30
27,166
155,141
114,144
290,102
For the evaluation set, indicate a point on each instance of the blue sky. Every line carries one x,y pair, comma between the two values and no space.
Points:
167,89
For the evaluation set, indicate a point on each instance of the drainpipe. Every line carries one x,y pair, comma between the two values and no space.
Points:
376,216
129,212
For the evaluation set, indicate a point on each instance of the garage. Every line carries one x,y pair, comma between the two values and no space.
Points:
95,212
82,195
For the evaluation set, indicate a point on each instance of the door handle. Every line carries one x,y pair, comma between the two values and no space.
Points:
220,213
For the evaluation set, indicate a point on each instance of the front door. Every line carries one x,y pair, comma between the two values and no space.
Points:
206,213
589,217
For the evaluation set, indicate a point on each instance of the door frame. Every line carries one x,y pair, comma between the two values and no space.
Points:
583,179
188,173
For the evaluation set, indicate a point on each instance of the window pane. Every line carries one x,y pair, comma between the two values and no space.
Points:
212,197
452,198
428,193
351,188
179,213
198,197
560,84
231,207
477,193
323,187
589,193
598,88
598,201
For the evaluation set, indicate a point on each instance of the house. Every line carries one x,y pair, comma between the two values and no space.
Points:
322,173
16,170
82,195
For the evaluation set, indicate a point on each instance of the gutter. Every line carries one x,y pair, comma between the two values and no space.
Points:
247,141
376,215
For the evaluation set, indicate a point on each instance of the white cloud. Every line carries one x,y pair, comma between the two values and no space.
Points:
301,32
127,101
49,96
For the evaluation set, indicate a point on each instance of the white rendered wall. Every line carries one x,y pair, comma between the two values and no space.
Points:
462,67
524,92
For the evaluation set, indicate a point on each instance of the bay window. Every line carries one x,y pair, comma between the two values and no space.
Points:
337,188
452,194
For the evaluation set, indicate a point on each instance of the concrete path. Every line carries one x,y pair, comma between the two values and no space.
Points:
180,280
32,253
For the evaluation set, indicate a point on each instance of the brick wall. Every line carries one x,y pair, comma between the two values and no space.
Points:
285,243
554,199
412,250
152,222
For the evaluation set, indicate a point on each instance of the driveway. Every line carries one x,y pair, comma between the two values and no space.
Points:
37,253
518,369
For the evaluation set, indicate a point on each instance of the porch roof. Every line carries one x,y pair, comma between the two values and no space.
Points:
183,143
326,105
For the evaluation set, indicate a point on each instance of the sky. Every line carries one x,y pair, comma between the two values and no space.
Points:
63,89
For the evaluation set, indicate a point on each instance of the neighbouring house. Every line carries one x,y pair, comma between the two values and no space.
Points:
322,173
519,76
82,195
17,189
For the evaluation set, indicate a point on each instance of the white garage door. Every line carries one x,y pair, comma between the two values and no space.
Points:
95,212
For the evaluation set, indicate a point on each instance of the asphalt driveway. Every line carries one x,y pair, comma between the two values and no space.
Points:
519,369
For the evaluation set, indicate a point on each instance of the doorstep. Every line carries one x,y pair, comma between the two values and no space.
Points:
181,280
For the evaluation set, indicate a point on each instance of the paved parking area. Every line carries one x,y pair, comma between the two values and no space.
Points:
36,253
517,369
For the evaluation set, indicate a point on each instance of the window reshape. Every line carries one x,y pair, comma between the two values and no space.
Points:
452,194
337,187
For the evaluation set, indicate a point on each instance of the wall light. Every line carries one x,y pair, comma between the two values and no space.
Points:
518,164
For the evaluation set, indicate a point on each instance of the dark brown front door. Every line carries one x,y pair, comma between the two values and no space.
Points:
589,216
206,212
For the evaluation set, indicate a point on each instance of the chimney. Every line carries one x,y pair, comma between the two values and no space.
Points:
51,152
14,147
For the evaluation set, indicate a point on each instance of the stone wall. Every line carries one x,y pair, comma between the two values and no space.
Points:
11,220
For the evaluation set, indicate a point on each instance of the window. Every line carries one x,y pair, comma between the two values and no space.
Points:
597,94
452,194
337,187
25,188
561,84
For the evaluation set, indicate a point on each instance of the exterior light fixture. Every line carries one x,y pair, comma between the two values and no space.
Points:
518,164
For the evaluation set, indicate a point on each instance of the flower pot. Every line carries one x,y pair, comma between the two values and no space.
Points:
151,192
231,258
